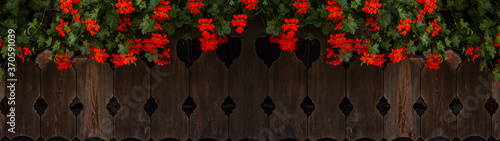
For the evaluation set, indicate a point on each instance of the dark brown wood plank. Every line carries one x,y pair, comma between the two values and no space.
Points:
131,92
58,90
3,129
94,89
474,91
248,87
438,88
495,93
287,89
364,88
402,89
326,88
208,80
170,87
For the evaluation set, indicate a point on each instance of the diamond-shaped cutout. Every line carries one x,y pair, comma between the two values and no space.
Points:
76,106
491,105
456,106
113,106
420,106
150,106
40,106
383,106
268,106
346,106
188,106
307,106
228,106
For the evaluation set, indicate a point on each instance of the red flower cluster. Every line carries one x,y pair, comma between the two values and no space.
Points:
124,6
22,52
149,45
250,4
429,6
373,59
334,10
331,54
209,41
433,61
63,61
372,24
302,6
473,53
495,44
99,55
348,45
91,24
123,59
286,37
435,28
61,28
122,24
1,42
67,6
371,6
161,11
397,55
195,6
405,25
240,22
164,54
338,26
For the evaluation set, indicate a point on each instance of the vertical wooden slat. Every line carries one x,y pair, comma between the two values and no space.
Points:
495,93
326,89
364,88
208,80
438,88
402,89
3,124
27,92
287,89
248,87
170,87
131,90
94,89
58,90
474,89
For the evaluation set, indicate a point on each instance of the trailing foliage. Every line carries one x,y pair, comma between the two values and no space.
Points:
374,31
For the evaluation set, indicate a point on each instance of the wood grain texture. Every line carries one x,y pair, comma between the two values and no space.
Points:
326,88
94,89
364,88
248,87
27,92
474,89
438,88
208,80
402,89
169,88
131,90
495,93
287,89
58,90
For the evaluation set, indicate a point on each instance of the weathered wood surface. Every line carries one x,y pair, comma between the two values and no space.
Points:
326,88
364,88
287,89
474,89
438,88
208,81
402,89
131,90
495,93
94,89
248,87
27,92
58,91
169,88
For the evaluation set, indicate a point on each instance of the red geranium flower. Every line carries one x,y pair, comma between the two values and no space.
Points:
250,4
160,56
433,61
334,10
195,6
397,55
335,60
435,28
371,6
63,61
302,6
124,6
373,59
373,25
123,59
61,28
240,22
91,24
161,11
405,26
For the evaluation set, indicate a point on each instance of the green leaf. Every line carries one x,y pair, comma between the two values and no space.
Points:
71,39
153,3
122,49
385,18
486,24
343,3
282,10
411,48
111,20
56,46
224,28
110,45
425,39
48,42
188,35
482,65
350,25
447,41
272,29
386,45
440,45
214,9
456,41
170,28
393,32
345,56
374,49
85,48
309,36
40,41
151,56
147,25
